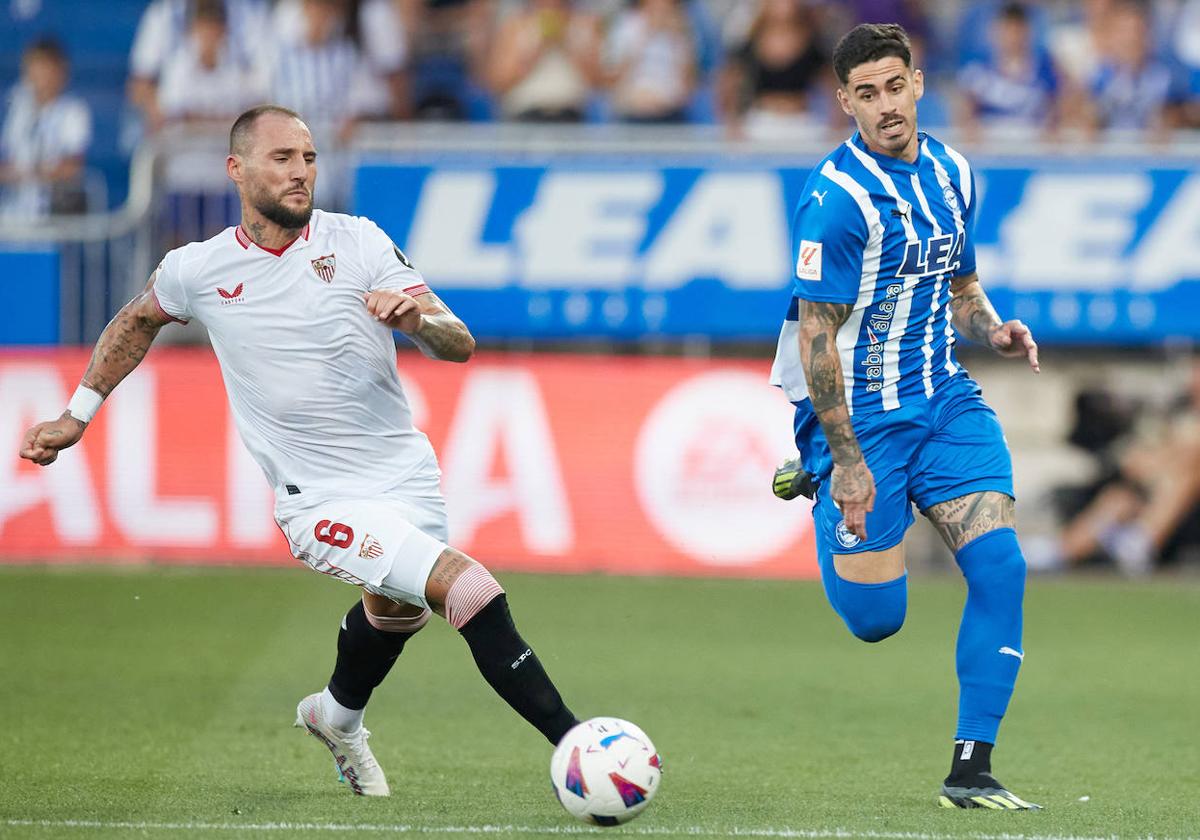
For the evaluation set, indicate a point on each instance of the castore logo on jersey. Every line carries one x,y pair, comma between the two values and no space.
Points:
235,296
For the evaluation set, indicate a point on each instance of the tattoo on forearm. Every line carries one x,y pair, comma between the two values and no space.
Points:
963,519
819,323
443,336
973,313
120,349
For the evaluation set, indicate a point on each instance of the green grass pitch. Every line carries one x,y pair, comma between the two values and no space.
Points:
158,702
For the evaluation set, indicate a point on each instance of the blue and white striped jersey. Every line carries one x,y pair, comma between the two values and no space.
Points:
886,236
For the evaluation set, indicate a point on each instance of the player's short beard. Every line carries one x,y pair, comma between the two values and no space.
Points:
273,210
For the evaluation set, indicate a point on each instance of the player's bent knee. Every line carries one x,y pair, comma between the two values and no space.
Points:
873,611
472,590
407,618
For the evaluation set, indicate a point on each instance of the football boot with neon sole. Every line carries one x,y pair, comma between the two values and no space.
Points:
982,791
356,765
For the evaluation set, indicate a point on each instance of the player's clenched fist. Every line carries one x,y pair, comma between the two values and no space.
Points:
396,309
44,441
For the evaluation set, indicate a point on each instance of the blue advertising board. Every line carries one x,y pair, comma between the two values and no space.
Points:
1100,251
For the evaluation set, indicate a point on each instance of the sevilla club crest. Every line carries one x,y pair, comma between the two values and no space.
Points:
325,266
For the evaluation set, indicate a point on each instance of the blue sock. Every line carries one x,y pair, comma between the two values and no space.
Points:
989,649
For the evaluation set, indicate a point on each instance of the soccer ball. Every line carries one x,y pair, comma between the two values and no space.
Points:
605,771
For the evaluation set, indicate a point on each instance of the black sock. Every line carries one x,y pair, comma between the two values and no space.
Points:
365,655
972,759
514,672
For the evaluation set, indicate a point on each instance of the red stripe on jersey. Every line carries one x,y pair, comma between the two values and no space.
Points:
163,311
419,289
245,240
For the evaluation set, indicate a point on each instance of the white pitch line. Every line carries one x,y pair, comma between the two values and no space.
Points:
556,830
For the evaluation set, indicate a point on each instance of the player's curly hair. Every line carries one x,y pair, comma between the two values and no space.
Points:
870,42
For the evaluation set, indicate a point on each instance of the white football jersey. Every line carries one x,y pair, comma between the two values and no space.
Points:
311,375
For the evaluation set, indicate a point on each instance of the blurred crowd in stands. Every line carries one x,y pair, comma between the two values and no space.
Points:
759,68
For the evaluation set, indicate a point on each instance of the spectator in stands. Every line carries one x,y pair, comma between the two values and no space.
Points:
318,70
1076,44
1185,48
1144,509
377,27
1133,89
164,30
450,46
1015,87
205,79
545,62
45,138
651,62
769,81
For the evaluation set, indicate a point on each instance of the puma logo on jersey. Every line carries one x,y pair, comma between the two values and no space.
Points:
232,297
1007,651
820,197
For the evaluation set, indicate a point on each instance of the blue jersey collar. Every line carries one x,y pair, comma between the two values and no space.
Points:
891,163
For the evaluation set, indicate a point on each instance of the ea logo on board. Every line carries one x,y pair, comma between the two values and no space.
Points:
699,463
951,198
845,536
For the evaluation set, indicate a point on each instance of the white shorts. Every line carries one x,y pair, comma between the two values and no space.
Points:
387,545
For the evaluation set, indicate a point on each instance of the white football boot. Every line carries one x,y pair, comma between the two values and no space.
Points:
356,764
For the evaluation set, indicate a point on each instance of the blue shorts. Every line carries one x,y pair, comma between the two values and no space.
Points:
928,453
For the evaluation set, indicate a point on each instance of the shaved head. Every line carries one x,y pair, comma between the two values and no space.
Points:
241,136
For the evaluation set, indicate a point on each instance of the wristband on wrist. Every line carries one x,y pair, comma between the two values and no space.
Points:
84,404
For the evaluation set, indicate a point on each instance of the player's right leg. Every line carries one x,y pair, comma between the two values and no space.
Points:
466,595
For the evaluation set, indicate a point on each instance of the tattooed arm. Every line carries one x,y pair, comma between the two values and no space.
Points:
427,321
852,486
975,317
121,346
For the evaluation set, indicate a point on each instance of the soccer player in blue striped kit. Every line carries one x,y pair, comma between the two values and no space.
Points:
885,414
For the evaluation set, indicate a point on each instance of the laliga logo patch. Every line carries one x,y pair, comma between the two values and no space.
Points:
845,536
950,197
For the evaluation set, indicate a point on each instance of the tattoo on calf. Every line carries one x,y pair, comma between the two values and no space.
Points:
963,519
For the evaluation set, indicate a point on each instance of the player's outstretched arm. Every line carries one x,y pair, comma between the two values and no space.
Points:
852,485
430,324
976,318
121,346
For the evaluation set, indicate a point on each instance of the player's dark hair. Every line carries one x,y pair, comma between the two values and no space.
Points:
869,42
211,10
239,135
1015,12
47,47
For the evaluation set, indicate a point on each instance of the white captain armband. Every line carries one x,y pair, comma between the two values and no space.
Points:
84,404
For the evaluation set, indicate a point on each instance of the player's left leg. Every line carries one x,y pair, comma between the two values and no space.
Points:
962,481
466,595
980,529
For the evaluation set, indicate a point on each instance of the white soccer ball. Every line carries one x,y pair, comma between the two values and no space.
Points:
605,771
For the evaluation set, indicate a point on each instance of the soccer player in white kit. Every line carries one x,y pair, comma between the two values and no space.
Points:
300,306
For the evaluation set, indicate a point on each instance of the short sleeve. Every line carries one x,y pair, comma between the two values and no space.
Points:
829,235
151,42
169,288
389,269
76,130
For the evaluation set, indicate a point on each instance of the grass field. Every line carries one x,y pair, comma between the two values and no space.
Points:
159,702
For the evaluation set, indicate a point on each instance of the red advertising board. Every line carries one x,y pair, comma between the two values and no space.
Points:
550,463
